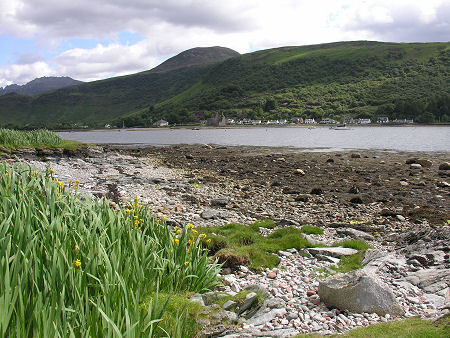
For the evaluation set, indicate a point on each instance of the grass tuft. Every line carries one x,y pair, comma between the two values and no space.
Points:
353,244
311,230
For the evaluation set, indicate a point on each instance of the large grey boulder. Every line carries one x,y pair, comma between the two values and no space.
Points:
359,292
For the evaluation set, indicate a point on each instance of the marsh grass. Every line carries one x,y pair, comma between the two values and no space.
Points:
37,138
72,266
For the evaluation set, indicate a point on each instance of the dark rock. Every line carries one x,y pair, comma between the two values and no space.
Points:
189,157
301,198
388,212
317,191
354,190
290,191
355,233
411,160
424,162
356,200
219,202
330,160
250,300
444,166
356,155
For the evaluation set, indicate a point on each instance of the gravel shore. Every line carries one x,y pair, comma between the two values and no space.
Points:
386,195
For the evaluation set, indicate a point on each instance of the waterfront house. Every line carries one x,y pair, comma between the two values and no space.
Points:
327,121
310,121
297,120
363,121
161,123
382,119
348,120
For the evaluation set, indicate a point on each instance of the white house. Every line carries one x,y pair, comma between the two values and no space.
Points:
161,123
310,121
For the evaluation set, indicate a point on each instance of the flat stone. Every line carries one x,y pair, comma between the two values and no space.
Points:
355,233
263,318
210,213
229,304
333,252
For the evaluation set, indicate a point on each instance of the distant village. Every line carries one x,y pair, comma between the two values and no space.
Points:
222,121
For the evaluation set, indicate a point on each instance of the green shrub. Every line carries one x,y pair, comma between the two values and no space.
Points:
353,244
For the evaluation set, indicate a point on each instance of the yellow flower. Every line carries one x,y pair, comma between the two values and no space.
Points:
135,217
75,249
60,183
177,241
77,263
187,251
175,228
178,231
52,171
141,220
136,222
190,226
76,182
208,241
202,235
186,263
194,231
190,242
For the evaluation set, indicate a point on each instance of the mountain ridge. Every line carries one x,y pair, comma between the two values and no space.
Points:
40,85
368,78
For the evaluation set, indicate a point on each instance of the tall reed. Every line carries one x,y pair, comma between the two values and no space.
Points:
73,266
36,138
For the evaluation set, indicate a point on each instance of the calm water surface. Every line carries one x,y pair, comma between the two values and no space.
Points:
423,138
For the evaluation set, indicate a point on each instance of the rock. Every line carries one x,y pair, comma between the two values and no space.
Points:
327,259
411,160
330,160
258,289
333,252
356,200
219,202
274,303
210,213
358,292
443,184
313,241
301,198
290,191
444,166
415,166
355,233
387,212
198,298
354,190
229,304
424,162
250,300
355,155
317,191
262,318
430,280
400,218
299,172
272,275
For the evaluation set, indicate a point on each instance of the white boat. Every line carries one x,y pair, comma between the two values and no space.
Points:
340,127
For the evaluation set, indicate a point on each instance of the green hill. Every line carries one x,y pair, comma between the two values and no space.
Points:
363,79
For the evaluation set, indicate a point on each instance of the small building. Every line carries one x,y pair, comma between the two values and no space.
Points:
382,119
297,120
310,121
363,121
348,120
327,121
107,126
255,122
217,121
161,123
273,122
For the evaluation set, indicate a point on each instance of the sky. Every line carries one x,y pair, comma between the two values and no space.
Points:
95,39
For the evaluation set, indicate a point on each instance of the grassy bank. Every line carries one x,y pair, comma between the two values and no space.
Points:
72,266
15,139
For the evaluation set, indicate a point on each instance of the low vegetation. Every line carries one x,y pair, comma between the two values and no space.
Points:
237,244
15,139
72,266
409,328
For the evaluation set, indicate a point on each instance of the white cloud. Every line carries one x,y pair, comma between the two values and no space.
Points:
171,26
24,73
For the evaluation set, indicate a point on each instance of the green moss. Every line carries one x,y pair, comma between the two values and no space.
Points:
409,328
247,241
311,230
353,244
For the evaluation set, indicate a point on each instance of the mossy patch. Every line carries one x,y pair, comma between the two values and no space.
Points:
247,241
311,230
